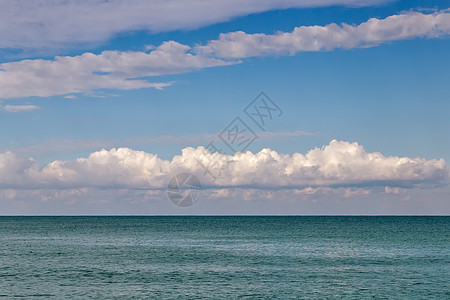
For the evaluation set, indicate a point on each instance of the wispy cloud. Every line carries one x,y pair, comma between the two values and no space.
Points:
88,72
283,135
57,24
18,108
409,25
59,146
127,70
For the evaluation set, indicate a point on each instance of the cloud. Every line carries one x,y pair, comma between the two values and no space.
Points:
58,146
19,108
225,201
281,135
87,72
390,190
237,45
339,164
349,193
56,24
127,70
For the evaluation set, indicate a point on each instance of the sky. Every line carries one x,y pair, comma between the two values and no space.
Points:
315,107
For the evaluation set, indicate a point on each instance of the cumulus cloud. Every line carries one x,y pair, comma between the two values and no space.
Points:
339,164
87,72
19,108
55,24
126,70
318,38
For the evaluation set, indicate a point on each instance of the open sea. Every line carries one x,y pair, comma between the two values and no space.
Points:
225,257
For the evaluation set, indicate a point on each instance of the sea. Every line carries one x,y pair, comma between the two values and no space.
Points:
225,257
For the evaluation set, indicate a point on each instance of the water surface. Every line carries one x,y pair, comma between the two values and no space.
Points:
225,257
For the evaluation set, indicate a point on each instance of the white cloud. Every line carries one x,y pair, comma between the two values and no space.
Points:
87,72
55,24
389,190
318,38
125,70
19,108
339,164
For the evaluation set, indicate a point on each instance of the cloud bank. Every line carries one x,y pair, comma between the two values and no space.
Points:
339,164
55,24
127,70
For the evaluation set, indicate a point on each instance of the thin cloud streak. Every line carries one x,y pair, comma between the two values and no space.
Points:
19,108
59,146
409,25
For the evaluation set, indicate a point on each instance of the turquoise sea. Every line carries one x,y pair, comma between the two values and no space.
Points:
225,257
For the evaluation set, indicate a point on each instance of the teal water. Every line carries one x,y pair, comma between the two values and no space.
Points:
225,257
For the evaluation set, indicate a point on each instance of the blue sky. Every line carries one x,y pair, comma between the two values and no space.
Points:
390,97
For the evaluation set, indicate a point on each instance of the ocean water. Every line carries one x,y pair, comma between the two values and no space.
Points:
225,257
